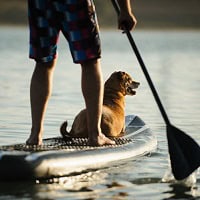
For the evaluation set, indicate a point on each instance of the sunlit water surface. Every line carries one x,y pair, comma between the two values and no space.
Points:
172,59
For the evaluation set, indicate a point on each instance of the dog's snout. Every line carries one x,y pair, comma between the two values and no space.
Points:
136,84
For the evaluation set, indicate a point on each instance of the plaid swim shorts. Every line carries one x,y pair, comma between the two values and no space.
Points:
76,19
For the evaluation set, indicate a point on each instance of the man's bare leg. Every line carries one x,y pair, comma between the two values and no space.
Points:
40,91
92,88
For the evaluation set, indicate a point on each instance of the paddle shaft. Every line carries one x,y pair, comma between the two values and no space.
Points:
144,69
183,160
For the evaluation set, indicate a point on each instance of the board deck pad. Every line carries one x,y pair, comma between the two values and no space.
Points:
58,157
133,123
58,143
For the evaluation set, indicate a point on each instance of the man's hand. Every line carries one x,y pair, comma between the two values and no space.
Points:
126,21
126,18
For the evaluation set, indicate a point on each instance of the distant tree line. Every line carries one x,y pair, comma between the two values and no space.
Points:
149,13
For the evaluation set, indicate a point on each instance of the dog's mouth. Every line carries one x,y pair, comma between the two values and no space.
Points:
130,89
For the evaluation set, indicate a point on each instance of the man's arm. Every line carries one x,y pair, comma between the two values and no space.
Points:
126,19
125,6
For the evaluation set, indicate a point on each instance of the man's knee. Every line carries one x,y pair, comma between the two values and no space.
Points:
46,65
90,63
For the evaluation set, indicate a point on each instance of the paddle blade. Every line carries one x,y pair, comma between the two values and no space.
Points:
184,153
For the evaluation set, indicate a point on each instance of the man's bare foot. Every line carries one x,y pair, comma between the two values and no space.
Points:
34,140
100,140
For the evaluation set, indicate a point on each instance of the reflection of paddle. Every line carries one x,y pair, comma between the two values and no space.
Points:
183,150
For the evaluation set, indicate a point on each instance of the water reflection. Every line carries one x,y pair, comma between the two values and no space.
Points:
178,191
89,185
78,185
99,184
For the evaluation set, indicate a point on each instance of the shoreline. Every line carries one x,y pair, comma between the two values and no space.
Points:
103,28
154,14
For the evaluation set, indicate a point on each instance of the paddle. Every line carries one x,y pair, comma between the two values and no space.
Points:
183,150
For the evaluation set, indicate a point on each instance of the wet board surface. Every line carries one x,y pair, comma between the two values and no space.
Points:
57,158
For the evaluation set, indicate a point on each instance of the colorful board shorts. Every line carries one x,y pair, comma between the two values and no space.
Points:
76,19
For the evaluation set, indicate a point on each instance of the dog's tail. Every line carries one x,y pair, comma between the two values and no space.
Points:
63,131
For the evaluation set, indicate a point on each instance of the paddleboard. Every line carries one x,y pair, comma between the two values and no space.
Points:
58,158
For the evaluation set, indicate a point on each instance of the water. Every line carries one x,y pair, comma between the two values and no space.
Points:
172,58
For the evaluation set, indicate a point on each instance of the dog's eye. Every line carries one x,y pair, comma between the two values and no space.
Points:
129,80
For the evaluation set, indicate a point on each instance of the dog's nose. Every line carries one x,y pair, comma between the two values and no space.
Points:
137,83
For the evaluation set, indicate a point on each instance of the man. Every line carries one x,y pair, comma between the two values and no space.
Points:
77,21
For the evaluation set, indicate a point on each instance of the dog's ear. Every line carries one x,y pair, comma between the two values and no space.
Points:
120,75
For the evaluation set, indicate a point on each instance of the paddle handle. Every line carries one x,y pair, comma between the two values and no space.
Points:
144,69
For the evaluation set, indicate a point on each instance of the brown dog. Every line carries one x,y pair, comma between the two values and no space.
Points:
116,88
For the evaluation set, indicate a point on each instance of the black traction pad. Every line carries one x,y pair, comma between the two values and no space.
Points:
58,143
